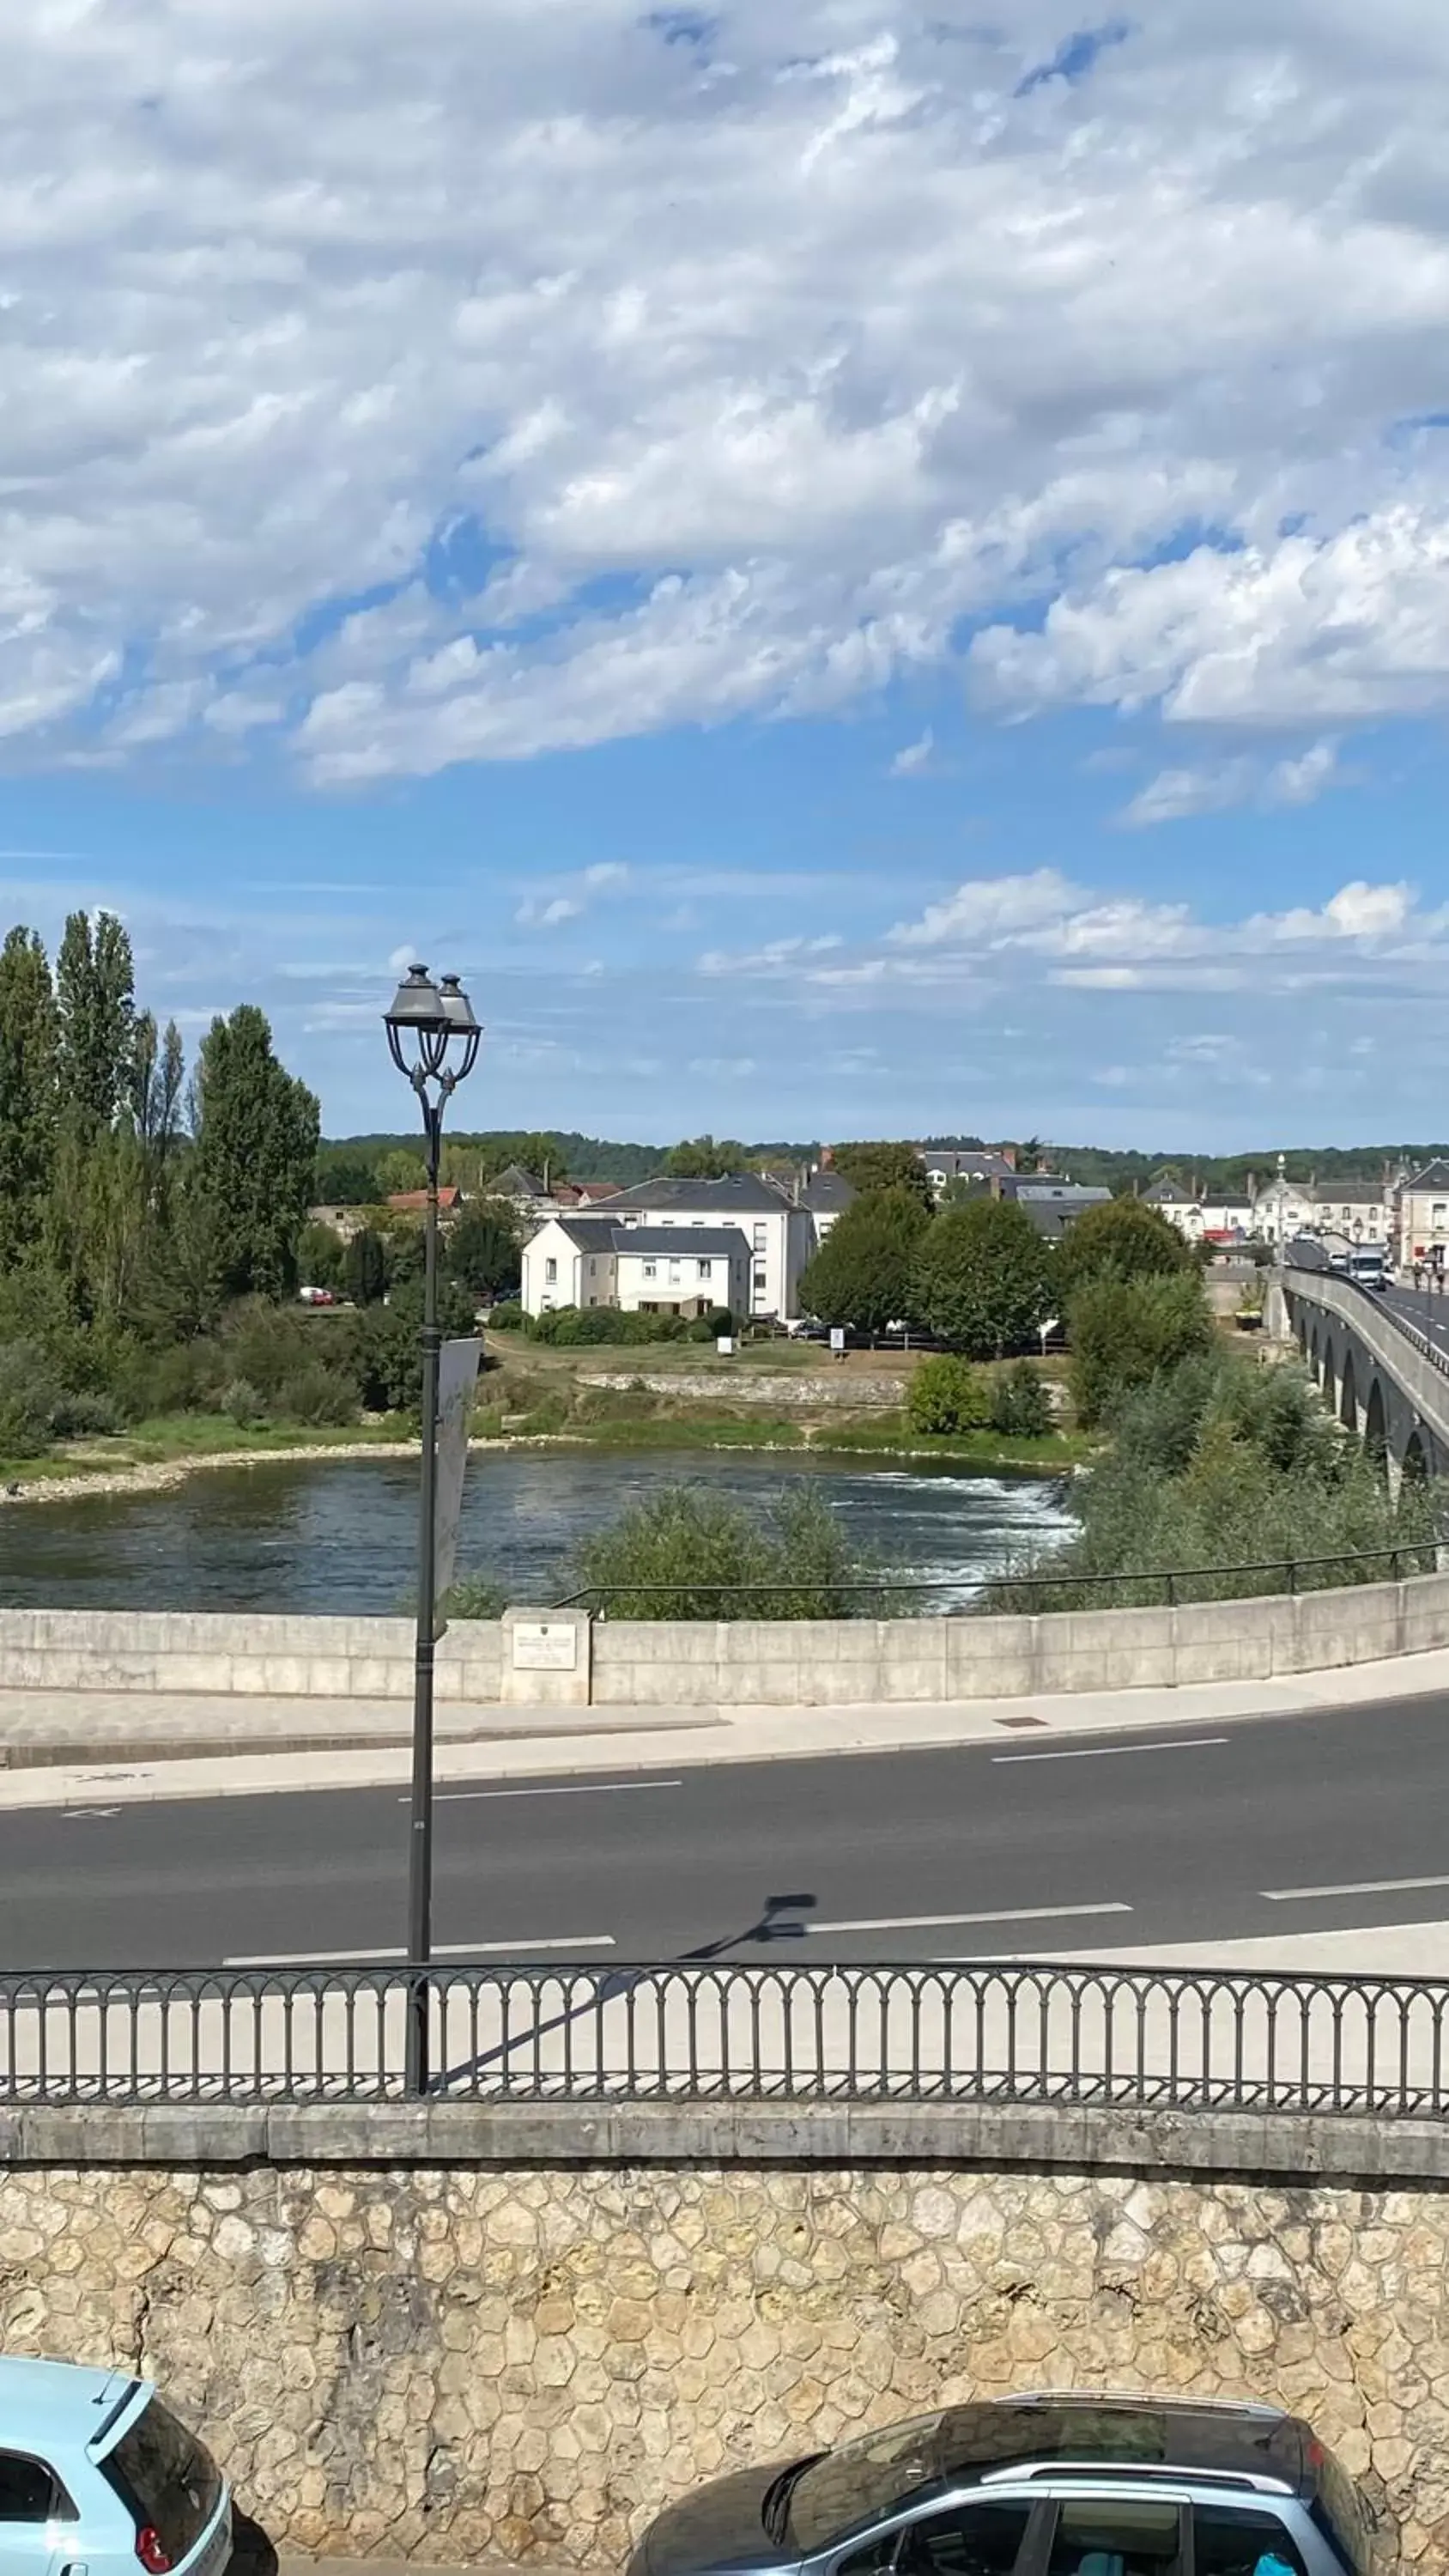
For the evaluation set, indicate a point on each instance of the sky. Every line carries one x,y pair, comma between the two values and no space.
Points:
858,568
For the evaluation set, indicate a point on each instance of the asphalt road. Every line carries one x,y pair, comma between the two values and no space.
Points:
1210,1833
1428,1308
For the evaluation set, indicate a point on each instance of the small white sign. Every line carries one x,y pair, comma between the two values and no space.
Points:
837,1337
724,1344
545,1646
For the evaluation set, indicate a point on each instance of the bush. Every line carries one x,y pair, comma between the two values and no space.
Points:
947,1394
241,1400
473,1596
509,1319
1021,1408
87,1415
718,1560
315,1396
29,1398
581,1327
1120,1239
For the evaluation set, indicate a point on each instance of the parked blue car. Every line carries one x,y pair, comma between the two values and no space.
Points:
98,2478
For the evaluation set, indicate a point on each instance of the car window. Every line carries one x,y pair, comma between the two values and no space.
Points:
970,2540
873,2560
1342,2516
26,2489
1102,2538
170,2483
1230,2542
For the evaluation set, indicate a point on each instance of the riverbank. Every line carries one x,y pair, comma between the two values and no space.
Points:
159,1456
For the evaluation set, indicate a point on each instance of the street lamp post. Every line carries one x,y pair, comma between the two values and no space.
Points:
433,1039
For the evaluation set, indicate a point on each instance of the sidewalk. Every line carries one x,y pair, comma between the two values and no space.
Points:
150,1746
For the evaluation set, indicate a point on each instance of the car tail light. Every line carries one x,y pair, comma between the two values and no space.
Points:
152,2551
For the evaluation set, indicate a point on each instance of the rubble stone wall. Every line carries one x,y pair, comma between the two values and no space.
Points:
452,2362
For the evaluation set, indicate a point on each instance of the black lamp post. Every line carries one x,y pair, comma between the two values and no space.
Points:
433,1038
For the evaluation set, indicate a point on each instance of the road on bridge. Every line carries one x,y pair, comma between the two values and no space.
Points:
1212,1832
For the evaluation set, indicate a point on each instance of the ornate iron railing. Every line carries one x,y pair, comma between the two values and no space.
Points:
1185,2040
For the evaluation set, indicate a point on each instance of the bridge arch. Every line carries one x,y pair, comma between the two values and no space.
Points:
1375,1429
1348,1405
1416,1457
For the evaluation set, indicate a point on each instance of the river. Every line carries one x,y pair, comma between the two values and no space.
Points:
339,1535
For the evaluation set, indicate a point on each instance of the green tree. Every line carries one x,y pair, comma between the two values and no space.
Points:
401,1171
95,991
982,1277
699,1158
321,1256
947,1394
250,1175
876,1166
482,1250
27,1092
347,1177
390,1350
1123,1237
1021,1408
862,1272
365,1269
1124,1332
543,1154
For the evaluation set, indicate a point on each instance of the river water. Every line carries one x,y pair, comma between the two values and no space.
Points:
339,1535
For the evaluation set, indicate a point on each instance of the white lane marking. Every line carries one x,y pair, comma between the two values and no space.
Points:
1354,1887
569,1789
442,1950
77,1815
945,1922
1104,1752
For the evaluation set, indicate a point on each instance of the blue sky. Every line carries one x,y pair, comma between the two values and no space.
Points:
887,577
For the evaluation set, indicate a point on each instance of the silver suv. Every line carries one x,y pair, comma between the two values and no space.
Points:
1077,2485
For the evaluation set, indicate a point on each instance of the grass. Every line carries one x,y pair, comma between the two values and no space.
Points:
179,1436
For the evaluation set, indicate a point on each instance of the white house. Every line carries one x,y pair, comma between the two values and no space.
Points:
1208,1217
646,1270
681,1270
825,1197
569,1262
778,1231
1423,1217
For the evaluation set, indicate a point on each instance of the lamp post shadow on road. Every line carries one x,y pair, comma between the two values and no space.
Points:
433,1038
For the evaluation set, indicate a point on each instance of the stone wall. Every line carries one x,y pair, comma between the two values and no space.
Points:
453,2361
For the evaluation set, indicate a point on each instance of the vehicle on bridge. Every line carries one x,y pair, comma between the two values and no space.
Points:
1050,2485
98,2478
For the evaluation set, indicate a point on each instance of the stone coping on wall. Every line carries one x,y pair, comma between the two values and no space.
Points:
1342,2148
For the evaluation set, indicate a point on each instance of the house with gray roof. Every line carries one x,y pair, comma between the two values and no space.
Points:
778,1229
643,1269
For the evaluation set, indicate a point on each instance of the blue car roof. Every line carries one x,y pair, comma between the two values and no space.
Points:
57,2406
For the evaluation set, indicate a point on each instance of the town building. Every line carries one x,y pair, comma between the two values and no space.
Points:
826,1196
1054,1206
989,1166
687,1270
1423,1218
1202,1216
778,1229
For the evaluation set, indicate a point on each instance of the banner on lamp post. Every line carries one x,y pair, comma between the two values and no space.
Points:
457,1378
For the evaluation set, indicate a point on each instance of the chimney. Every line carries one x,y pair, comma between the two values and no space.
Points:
827,1158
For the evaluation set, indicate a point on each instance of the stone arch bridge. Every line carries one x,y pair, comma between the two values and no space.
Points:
1383,1377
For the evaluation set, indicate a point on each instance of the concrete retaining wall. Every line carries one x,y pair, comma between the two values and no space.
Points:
729,1663
276,1658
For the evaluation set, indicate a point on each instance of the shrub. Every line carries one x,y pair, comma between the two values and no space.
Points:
87,1414
241,1400
718,1560
314,1395
1121,1239
947,1394
28,1400
1021,1408
473,1596
508,1319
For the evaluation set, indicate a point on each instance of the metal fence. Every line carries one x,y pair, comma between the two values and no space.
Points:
1148,2039
1152,1588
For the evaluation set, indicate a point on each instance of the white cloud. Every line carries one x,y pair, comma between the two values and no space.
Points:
986,908
915,757
422,402
779,957
539,913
